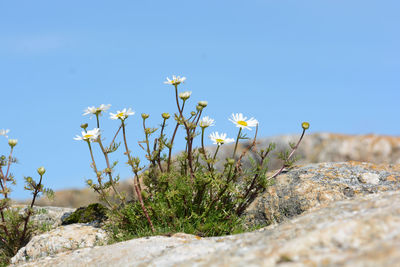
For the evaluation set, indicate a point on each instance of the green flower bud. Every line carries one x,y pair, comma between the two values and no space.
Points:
305,125
192,113
107,170
41,171
98,174
84,126
89,182
12,142
230,161
165,116
203,104
199,108
145,115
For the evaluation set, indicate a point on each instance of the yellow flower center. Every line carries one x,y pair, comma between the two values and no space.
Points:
87,136
120,115
243,123
221,141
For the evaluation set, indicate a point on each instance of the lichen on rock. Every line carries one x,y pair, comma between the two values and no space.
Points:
95,212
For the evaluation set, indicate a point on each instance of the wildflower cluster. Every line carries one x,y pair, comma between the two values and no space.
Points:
187,192
15,227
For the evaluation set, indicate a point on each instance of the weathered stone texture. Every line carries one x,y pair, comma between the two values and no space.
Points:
63,238
361,231
314,185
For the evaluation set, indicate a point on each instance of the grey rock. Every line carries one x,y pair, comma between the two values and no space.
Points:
61,239
50,217
313,185
361,231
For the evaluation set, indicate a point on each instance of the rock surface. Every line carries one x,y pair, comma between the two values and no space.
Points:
61,239
329,214
50,217
314,185
361,231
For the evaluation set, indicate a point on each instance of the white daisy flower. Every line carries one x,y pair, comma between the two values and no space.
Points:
4,132
122,114
91,135
185,95
242,121
93,110
220,139
175,80
206,122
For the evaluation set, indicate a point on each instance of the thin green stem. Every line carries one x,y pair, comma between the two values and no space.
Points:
160,140
147,143
189,156
109,168
170,148
115,136
203,150
98,176
236,144
97,119
7,172
290,155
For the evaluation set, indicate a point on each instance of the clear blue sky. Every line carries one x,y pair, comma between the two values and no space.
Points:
334,63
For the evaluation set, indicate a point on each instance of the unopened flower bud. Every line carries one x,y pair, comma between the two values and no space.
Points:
192,113
185,95
199,108
203,103
305,125
145,115
230,161
165,116
84,126
98,174
89,182
107,170
41,171
12,142
3,157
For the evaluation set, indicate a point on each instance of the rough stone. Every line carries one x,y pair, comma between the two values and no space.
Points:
51,217
63,238
361,231
313,185
370,178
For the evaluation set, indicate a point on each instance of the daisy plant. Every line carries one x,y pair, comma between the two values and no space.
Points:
15,226
196,191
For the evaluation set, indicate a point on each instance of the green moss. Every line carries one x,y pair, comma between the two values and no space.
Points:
93,212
